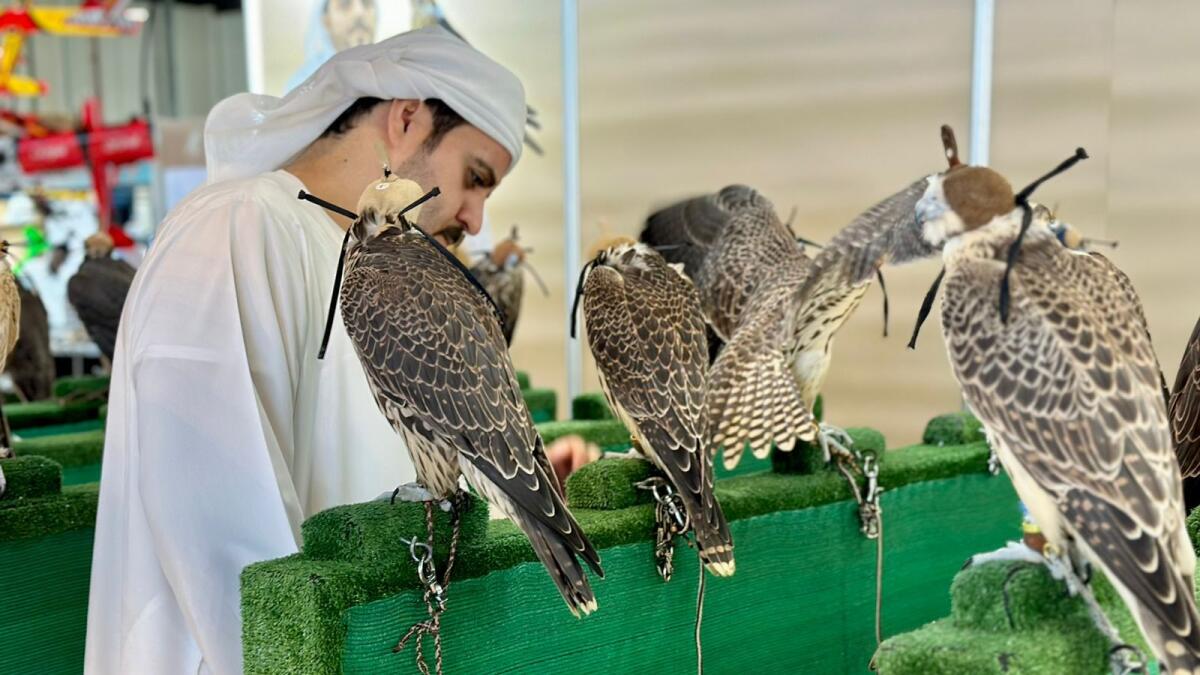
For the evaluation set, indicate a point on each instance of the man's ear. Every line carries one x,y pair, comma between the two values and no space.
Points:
402,114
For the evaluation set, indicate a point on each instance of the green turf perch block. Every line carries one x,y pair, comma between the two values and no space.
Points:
1011,617
609,435
523,380
591,406
609,484
69,450
807,457
44,413
79,386
30,478
543,404
953,429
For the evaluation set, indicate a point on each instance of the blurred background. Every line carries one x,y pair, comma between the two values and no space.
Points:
824,107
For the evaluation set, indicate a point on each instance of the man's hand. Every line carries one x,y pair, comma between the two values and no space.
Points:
568,454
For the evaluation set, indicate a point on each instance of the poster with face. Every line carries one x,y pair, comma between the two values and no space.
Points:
287,40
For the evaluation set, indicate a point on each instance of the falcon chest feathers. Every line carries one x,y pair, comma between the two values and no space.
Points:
1070,394
646,332
436,361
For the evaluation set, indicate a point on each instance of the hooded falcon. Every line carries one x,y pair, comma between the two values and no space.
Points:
98,290
501,271
1051,350
646,333
10,324
435,358
776,308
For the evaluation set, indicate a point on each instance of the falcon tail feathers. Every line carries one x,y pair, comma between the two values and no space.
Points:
562,566
713,539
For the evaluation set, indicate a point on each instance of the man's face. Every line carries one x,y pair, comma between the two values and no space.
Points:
350,23
466,165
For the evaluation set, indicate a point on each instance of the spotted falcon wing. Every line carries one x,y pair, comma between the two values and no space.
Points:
753,399
1071,387
443,358
1123,282
1185,408
731,243
647,335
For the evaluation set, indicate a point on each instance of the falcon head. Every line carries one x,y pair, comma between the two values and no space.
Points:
508,254
1066,233
382,204
99,245
962,199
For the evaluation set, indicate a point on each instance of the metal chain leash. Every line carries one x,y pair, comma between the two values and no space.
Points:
670,519
435,591
870,515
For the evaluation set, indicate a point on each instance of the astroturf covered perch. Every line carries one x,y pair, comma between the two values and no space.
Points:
342,605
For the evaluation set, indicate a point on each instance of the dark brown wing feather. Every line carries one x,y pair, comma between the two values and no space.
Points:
31,364
1071,386
1185,408
97,292
735,244
647,334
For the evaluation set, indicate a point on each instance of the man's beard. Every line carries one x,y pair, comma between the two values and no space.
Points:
433,218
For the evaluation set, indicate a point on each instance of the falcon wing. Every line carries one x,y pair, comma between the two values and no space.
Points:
752,397
97,292
444,358
646,332
731,244
1071,387
1185,408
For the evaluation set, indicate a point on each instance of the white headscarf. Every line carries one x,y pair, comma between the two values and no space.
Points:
249,134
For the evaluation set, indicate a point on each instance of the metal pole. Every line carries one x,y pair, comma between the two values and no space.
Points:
981,82
570,113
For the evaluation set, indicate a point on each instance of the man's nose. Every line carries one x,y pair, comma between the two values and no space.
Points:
471,216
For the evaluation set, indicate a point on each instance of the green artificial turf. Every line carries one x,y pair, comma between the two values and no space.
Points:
591,406
44,413
953,429
292,608
59,429
70,450
323,616
542,403
1043,630
78,386
29,478
609,435
523,379
35,503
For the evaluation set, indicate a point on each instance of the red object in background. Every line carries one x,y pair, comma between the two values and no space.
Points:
101,148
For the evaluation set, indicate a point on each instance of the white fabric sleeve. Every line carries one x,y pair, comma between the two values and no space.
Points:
215,343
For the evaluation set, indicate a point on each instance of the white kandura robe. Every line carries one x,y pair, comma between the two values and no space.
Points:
224,430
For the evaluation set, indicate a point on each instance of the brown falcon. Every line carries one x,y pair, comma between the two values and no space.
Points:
10,324
1052,353
646,333
98,290
776,308
436,361
30,364
501,271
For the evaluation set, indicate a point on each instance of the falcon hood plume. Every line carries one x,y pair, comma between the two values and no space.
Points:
436,360
1060,371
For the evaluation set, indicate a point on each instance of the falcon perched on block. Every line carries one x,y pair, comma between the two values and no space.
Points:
776,308
502,273
10,324
1051,350
31,365
646,333
436,361
98,290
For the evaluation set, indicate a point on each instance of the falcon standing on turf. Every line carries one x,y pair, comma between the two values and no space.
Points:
646,333
435,358
10,318
776,308
501,271
98,290
1052,353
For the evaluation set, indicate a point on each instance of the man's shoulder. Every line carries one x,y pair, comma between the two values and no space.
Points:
265,191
